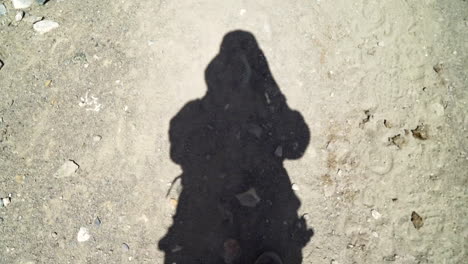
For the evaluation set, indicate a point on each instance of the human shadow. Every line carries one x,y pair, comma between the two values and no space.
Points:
236,199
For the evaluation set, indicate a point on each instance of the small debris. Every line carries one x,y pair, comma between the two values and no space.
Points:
177,248
232,251
19,16
47,83
125,247
97,221
390,257
19,179
397,140
45,26
97,138
248,198
3,10
417,220
41,2
83,235
279,151
19,4
255,130
67,169
54,234
387,124
367,119
420,132
438,67
376,214
174,202
295,187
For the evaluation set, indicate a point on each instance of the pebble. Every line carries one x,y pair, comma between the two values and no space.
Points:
19,4
97,221
3,10
125,247
67,169
33,19
248,198
376,214
417,220
19,16
41,2
279,151
295,187
83,235
97,138
4,202
45,26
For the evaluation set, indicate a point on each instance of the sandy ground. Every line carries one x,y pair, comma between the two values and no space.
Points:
382,86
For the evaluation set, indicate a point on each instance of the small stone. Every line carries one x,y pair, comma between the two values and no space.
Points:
45,26
125,247
420,132
97,138
5,201
54,234
380,44
41,2
177,248
67,169
83,235
295,187
417,220
19,4
19,179
376,214
3,10
279,151
97,221
33,19
248,198
19,16
438,67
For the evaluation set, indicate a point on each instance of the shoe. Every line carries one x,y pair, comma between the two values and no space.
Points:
269,258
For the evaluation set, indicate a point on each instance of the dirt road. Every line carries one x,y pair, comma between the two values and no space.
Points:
86,172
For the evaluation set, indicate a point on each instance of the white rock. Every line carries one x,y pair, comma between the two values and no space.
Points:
19,4
67,169
45,26
295,187
19,16
376,214
6,201
3,10
83,235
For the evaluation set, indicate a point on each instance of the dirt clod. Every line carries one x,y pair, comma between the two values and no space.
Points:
420,132
417,220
